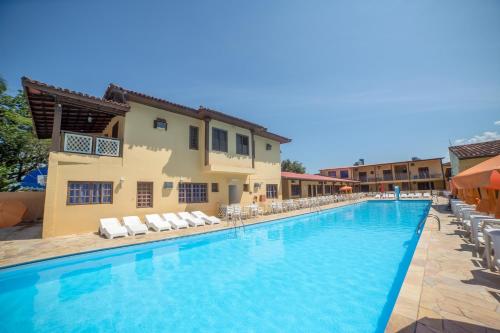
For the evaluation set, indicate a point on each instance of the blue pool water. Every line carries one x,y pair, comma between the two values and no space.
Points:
335,271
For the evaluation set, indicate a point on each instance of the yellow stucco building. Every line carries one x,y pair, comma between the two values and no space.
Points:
133,154
297,185
463,157
410,175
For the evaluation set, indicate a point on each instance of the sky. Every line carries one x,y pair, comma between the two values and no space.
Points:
380,80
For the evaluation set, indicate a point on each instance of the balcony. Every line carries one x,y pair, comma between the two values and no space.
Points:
427,176
401,176
90,144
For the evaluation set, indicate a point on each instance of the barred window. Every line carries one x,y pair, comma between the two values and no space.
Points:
296,190
242,146
272,191
89,193
219,140
215,187
193,192
144,194
193,137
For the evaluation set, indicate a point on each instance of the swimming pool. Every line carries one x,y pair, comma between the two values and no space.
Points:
335,271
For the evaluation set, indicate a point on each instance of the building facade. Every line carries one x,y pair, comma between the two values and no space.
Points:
411,175
133,154
297,185
463,157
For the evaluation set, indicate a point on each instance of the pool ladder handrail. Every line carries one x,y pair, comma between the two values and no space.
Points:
419,226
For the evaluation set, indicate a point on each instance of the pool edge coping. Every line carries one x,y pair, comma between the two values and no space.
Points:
404,314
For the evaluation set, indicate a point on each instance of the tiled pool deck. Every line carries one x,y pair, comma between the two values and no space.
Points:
445,290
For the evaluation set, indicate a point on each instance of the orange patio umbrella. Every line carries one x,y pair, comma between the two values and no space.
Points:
485,174
346,189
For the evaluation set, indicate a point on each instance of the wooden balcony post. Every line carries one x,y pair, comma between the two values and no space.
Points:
56,128
253,148
207,141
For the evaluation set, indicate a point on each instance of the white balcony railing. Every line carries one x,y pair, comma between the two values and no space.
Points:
89,144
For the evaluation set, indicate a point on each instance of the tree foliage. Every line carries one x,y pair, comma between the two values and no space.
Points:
20,151
292,166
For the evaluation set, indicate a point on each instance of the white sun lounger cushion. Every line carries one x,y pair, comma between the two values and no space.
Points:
206,218
111,228
175,221
155,222
134,225
191,219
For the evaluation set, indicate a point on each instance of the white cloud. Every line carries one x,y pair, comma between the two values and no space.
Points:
483,137
497,122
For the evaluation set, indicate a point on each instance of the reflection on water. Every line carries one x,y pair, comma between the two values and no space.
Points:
307,273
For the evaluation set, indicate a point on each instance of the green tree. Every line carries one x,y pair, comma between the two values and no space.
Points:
292,166
20,151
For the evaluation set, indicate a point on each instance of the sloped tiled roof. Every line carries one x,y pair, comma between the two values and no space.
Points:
200,113
475,150
305,176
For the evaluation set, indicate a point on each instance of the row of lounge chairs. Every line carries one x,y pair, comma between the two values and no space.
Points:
416,195
132,225
294,204
483,231
238,212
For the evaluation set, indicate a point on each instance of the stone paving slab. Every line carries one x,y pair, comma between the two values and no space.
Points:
446,289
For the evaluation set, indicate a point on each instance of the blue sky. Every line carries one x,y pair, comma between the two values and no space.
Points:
380,80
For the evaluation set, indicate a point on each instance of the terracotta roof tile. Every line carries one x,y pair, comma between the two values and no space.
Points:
305,176
27,81
475,150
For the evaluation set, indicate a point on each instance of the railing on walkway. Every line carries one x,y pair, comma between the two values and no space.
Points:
90,144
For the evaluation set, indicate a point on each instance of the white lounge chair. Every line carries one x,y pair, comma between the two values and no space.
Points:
206,218
495,238
191,219
404,196
427,195
155,222
111,228
134,225
175,221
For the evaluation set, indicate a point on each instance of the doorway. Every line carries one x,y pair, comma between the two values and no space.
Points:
233,194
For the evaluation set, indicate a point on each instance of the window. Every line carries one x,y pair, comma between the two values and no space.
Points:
215,187
193,137
242,146
319,189
219,140
246,187
272,191
269,146
295,190
328,189
344,174
114,130
160,124
192,193
144,194
332,174
90,193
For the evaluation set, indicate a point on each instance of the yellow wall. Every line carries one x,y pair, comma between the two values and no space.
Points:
34,202
157,156
377,170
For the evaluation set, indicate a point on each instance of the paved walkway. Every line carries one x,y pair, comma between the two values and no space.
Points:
446,289
24,243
